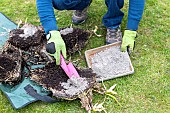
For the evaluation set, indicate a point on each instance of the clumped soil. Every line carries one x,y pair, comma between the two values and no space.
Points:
54,78
10,64
31,40
26,36
74,38
6,66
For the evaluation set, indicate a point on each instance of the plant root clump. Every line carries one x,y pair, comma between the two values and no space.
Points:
10,64
26,36
31,40
74,38
53,78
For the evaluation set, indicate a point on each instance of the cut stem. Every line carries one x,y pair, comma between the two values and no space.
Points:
1,67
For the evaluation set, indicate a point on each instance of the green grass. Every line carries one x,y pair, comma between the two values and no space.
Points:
146,91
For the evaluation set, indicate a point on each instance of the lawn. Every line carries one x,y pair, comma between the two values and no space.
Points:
145,91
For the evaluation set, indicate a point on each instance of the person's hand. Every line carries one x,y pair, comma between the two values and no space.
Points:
55,45
128,41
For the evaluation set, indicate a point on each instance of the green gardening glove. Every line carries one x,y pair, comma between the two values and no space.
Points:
55,45
128,41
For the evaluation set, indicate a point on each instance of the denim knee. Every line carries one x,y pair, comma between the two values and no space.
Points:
70,4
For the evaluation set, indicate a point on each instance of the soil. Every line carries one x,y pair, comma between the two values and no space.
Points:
74,38
110,63
54,78
31,40
6,65
26,36
11,51
10,64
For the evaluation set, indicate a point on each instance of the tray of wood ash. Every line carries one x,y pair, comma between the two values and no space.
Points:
109,62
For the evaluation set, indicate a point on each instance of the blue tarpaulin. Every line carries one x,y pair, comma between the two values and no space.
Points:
6,25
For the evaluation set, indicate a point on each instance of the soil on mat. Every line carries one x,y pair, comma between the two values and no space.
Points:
31,40
6,65
26,36
54,78
10,64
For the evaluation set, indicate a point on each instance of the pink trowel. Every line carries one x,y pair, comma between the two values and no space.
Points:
68,69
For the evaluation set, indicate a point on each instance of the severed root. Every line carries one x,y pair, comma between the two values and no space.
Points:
86,101
1,67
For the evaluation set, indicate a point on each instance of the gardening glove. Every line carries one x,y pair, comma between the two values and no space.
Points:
128,42
55,45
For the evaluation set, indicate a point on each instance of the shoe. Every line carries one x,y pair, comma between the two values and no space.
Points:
80,16
113,35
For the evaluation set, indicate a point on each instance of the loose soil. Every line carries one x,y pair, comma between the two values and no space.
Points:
110,63
54,78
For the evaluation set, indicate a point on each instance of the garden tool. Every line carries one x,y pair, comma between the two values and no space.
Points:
68,69
71,72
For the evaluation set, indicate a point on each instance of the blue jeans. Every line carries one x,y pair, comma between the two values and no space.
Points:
112,19
70,4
